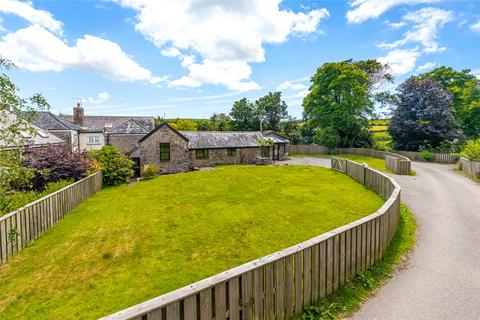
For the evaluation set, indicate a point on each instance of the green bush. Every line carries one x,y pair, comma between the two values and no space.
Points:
150,171
471,151
427,155
116,167
15,200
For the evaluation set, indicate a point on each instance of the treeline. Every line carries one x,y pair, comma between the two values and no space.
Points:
266,113
438,110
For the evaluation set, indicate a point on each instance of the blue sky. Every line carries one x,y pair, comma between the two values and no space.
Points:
194,58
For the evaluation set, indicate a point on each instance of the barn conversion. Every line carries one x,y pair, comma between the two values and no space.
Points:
177,151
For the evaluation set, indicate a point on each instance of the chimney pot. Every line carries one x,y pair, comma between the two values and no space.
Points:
78,113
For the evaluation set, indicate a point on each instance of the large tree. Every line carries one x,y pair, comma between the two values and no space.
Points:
341,100
422,116
244,115
464,89
271,109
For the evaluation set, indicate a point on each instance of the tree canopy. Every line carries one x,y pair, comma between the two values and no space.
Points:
464,89
341,100
423,115
270,110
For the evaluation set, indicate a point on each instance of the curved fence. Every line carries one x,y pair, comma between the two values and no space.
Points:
393,162
22,226
471,168
449,158
280,285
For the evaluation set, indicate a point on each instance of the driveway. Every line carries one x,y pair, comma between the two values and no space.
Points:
442,277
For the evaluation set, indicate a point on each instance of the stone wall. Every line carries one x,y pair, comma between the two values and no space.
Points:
150,151
125,142
220,157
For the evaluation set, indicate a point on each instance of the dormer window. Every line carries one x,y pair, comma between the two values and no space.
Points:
108,125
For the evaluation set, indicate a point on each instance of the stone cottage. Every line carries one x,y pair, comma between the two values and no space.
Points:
177,151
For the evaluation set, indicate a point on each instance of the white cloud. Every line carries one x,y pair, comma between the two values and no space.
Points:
476,73
363,10
401,61
217,41
32,15
2,28
101,97
171,52
475,27
395,25
36,49
426,23
426,66
290,85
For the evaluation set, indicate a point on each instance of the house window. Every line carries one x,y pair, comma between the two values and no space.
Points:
202,153
94,140
231,151
265,151
164,151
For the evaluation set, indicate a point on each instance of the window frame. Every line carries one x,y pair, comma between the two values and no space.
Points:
203,151
232,152
163,152
92,140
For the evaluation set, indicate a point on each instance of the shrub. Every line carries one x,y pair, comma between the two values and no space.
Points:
471,151
427,155
15,200
116,167
53,163
150,171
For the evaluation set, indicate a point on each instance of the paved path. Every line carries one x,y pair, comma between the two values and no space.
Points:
442,277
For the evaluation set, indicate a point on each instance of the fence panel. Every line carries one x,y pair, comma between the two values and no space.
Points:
471,168
22,226
279,285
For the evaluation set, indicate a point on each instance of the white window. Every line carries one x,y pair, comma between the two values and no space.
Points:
94,140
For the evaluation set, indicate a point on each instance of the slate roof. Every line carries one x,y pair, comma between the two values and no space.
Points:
39,138
49,121
131,126
222,139
99,123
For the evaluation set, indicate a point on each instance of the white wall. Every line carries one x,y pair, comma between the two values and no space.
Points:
86,145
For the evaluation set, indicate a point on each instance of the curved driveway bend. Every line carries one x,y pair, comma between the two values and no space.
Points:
442,277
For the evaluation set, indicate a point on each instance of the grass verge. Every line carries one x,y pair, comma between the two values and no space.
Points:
350,296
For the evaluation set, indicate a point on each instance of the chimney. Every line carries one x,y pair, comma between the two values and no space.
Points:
78,115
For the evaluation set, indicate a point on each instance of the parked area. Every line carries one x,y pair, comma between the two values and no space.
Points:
131,243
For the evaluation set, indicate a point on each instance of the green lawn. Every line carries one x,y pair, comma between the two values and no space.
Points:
375,163
131,243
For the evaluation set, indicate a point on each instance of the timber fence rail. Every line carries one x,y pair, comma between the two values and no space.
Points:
394,162
447,158
281,284
471,168
20,227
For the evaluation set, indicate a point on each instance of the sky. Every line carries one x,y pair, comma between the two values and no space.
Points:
195,58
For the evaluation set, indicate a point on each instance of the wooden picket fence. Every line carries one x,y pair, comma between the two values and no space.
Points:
22,226
280,285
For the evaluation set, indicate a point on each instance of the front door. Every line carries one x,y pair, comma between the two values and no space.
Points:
275,152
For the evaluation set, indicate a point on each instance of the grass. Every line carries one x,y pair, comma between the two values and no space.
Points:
350,296
131,243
